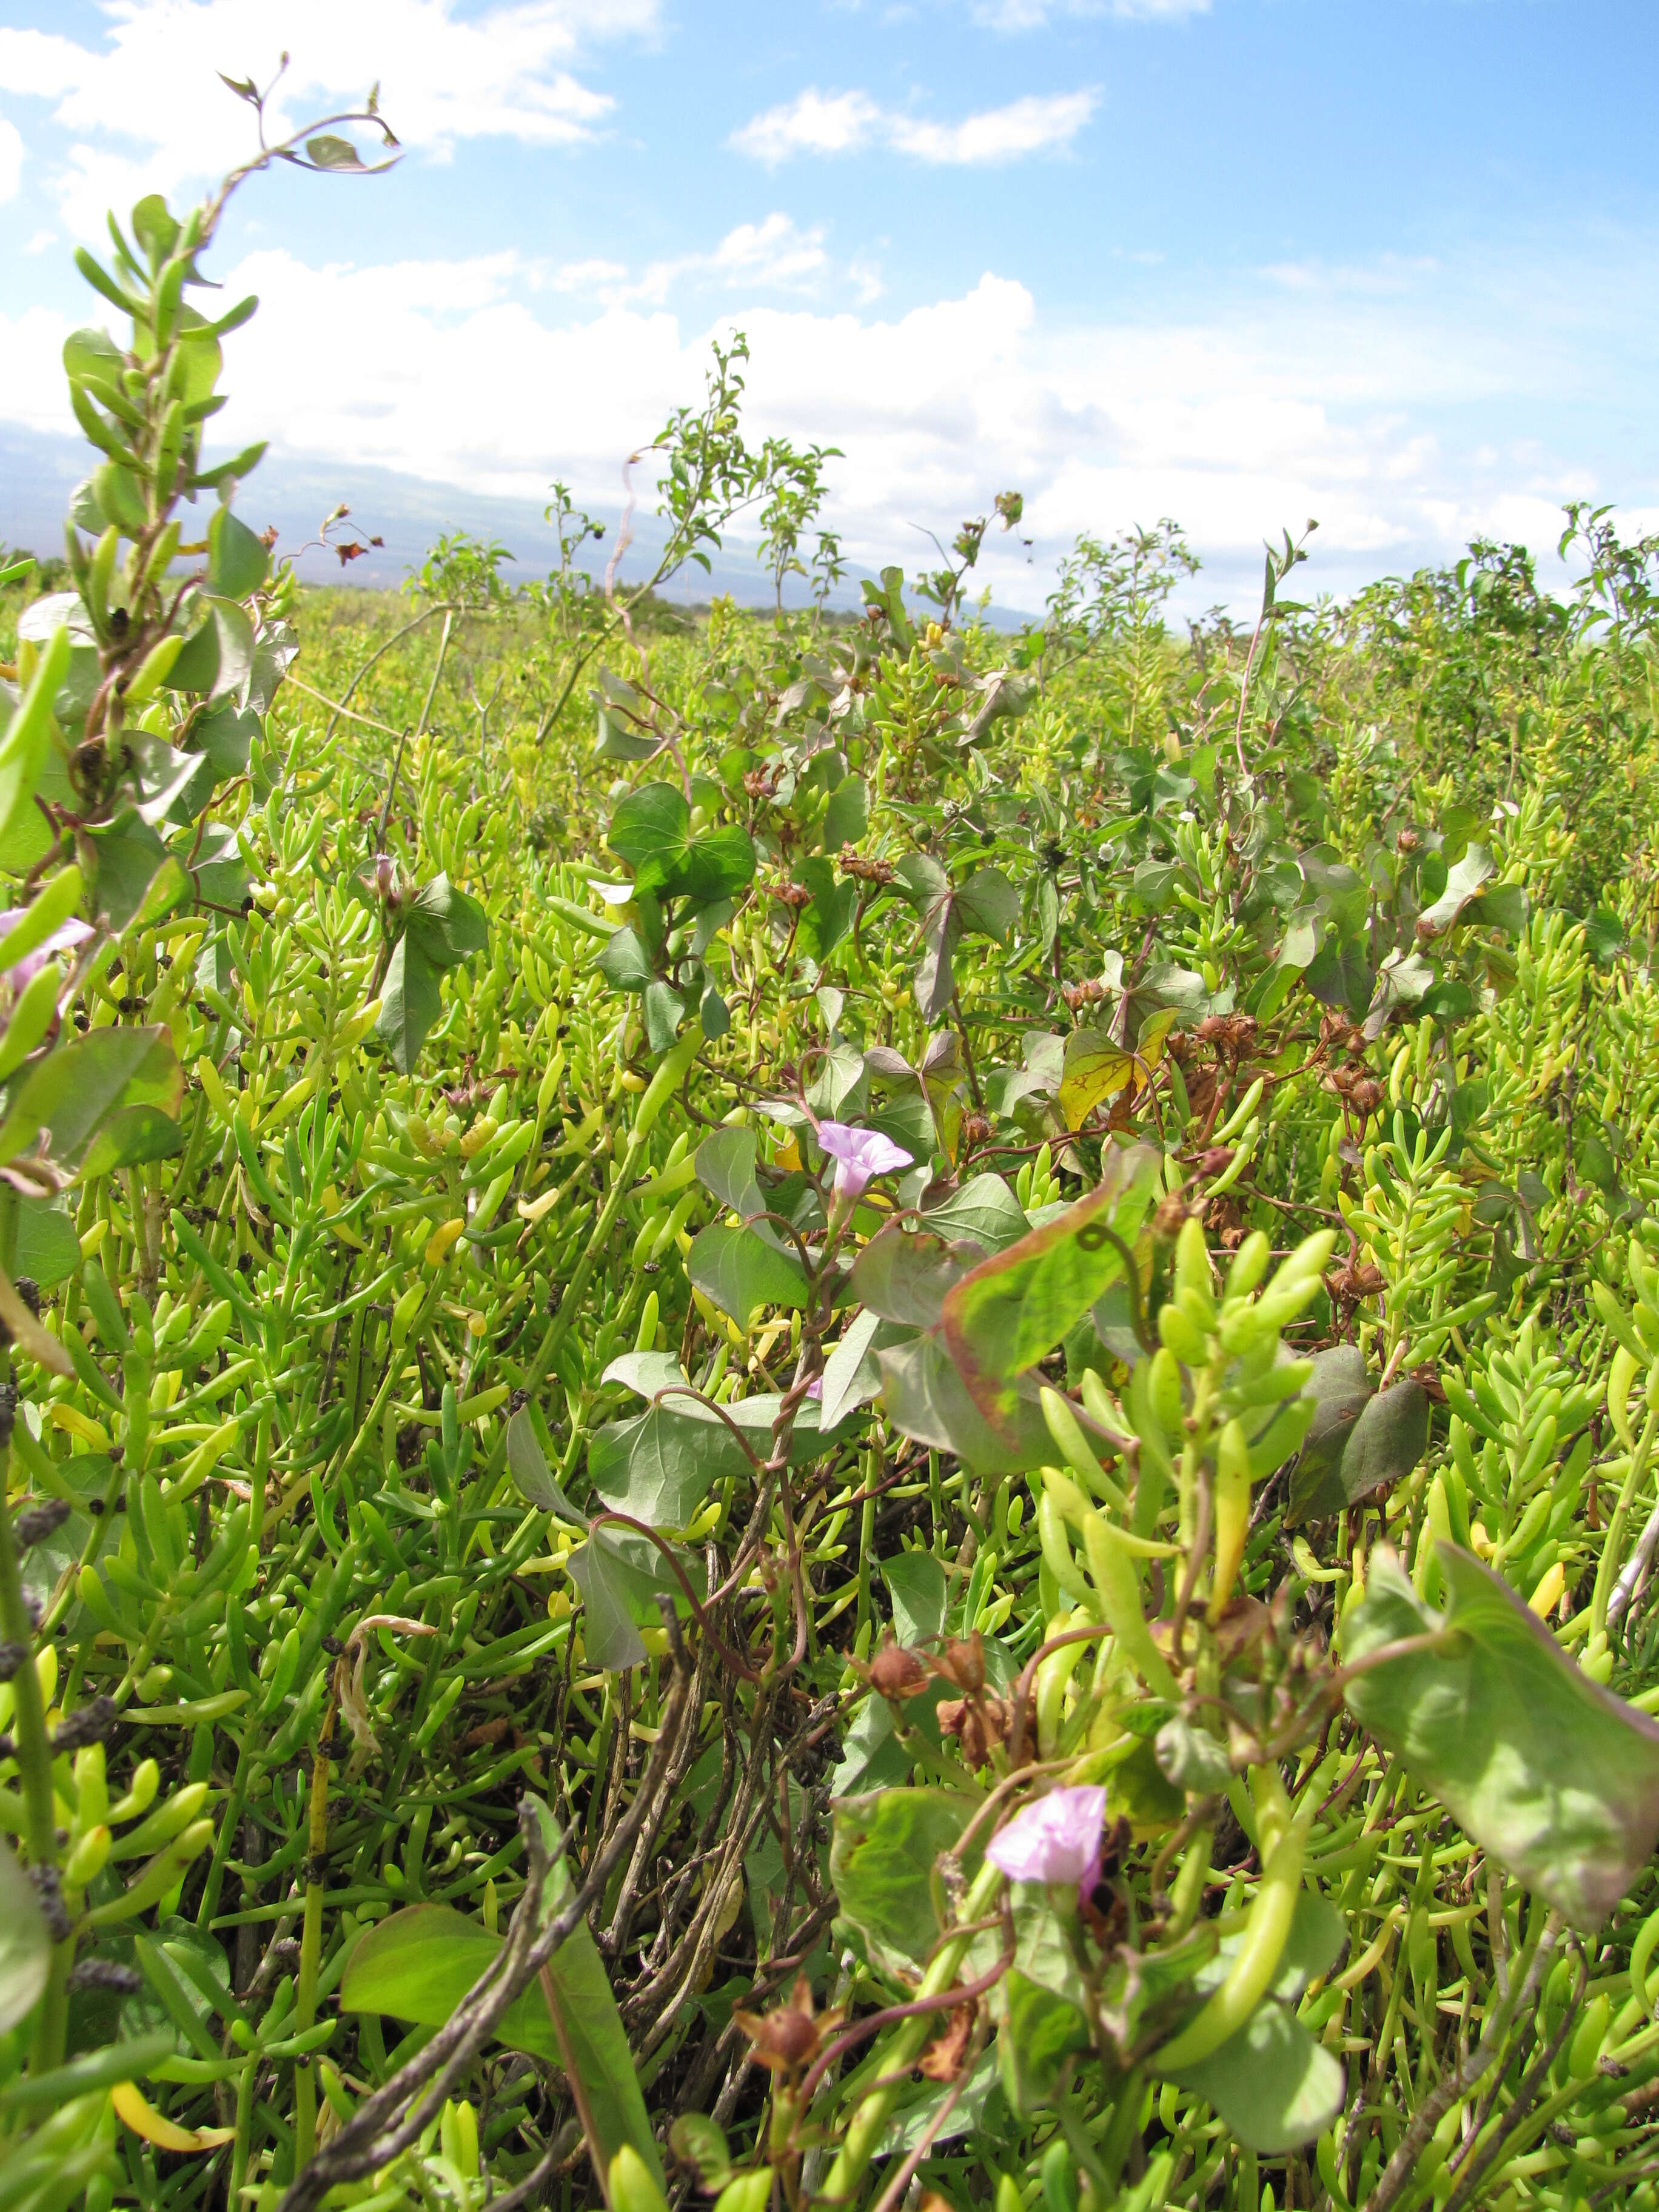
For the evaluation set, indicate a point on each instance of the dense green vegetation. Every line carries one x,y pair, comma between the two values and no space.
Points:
817,1410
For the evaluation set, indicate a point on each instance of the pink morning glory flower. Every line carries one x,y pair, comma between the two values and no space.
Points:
859,1154
1056,1840
18,977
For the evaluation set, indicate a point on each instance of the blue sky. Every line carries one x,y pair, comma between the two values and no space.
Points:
1389,263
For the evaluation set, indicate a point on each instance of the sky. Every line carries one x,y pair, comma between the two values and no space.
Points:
1388,265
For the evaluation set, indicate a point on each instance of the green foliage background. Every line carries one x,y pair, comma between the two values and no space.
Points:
489,1201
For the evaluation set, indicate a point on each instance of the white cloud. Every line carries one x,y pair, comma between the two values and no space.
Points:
843,123
775,254
11,159
813,123
145,112
999,134
1405,417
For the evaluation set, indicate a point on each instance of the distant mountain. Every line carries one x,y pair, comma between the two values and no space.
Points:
38,472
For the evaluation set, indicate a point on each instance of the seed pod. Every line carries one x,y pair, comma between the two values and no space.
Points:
35,1525
87,1725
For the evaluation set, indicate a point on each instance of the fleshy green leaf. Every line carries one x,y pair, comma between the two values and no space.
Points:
237,560
527,1464
882,1861
1360,1441
904,1274
418,1966
70,1092
740,1270
449,926
1554,1776
660,1466
410,1003
610,1637
1274,2087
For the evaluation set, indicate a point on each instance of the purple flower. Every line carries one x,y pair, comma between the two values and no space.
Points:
1056,1840
859,1154
18,977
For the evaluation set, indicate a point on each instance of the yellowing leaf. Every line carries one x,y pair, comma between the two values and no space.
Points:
1095,1068
438,1244
142,2116
1154,1043
81,1426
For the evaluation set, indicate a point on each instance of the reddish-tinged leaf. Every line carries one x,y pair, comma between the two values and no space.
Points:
1002,1317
